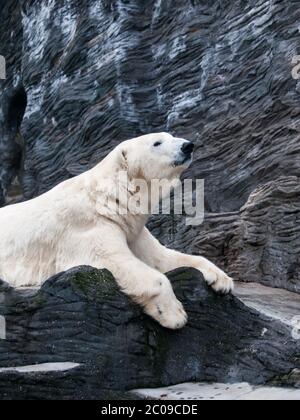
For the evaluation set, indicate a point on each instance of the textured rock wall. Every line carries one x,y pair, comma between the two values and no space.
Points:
94,72
82,317
260,243
12,97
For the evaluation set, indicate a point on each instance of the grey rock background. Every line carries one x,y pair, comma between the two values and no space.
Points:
85,75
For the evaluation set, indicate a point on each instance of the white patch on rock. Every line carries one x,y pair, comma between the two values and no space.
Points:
67,21
112,44
111,103
183,103
278,304
156,11
178,46
158,51
43,368
208,66
59,81
106,59
221,392
296,327
95,9
36,25
35,28
16,80
35,98
127,106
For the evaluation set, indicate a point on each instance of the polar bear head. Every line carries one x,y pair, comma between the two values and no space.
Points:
156,156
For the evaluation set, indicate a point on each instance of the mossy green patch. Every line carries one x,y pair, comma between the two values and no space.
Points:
39,300
96,283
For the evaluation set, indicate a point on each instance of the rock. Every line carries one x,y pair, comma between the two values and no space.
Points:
267,242
47,385
80,317
83,78
259,244
274,303
12,100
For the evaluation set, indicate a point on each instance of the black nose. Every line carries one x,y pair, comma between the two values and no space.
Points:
188,148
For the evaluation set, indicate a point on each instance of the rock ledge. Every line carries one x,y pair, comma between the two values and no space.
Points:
81,317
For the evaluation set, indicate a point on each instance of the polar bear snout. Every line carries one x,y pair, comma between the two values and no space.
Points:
185,155
187,148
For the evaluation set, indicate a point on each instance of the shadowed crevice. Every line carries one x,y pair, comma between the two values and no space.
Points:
12,146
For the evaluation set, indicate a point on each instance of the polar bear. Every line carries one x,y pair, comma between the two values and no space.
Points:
73,225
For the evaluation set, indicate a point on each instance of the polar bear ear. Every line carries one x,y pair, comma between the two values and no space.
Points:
124,154
124,160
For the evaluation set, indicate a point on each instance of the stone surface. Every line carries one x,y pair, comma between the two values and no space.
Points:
82,76
220,392
81,317
274,303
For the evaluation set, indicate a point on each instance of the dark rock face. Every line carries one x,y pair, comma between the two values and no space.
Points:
82,317
260,243
82,76
12,98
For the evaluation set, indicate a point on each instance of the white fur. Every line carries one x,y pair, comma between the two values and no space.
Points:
72,225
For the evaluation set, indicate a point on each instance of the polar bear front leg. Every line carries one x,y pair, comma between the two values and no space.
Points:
143,284
149,288
148,249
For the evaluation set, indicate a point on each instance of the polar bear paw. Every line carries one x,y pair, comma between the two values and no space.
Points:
218,280
168,312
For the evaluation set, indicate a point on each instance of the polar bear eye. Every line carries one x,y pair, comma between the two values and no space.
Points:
157,144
